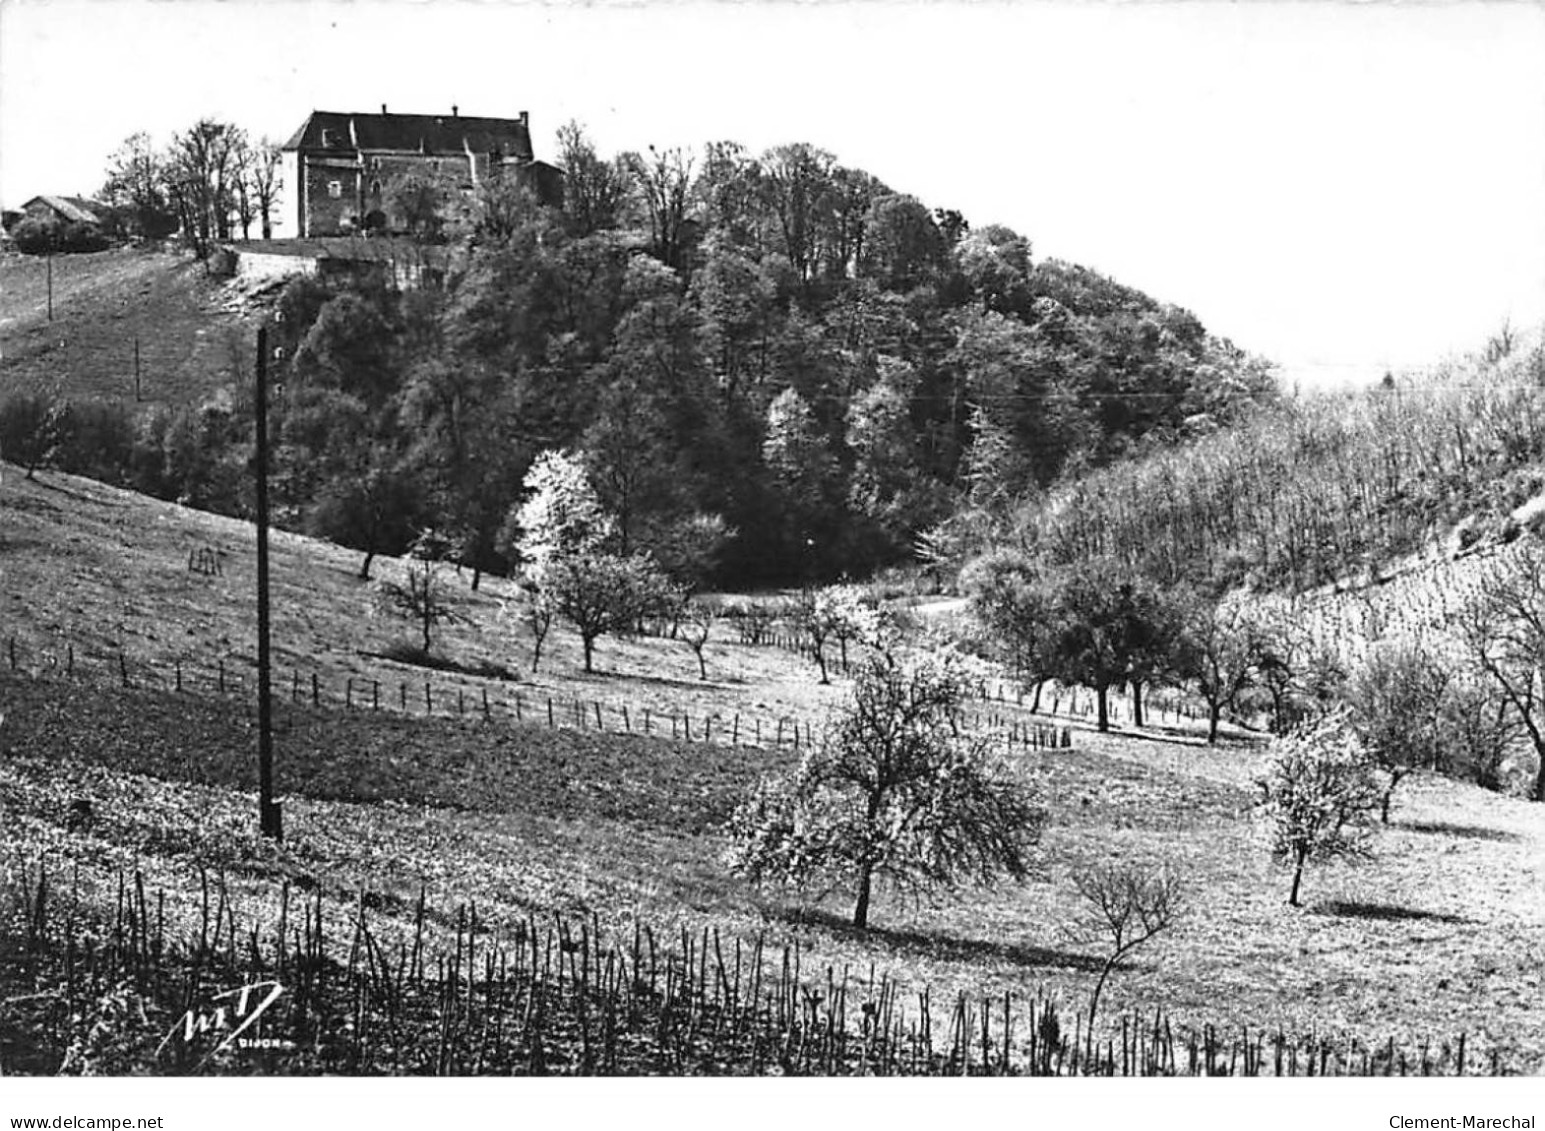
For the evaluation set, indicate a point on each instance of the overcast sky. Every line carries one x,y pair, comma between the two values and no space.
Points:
1340,187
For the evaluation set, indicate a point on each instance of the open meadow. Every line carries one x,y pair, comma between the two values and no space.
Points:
417,845
104,304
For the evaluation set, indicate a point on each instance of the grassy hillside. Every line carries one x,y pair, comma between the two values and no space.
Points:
1439,934
103,303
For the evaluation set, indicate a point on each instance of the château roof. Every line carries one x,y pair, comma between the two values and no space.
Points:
416,133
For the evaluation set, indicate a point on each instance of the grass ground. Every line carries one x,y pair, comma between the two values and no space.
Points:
1442,932
103,303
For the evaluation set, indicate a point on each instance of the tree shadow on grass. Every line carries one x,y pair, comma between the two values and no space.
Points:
1171,735
1449,828
926,944
1354,909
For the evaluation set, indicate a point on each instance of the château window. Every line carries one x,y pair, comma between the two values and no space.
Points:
335,189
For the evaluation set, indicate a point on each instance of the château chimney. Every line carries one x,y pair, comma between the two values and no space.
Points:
455,111
383,109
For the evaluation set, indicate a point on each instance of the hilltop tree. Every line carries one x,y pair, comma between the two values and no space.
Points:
594,190
894,794
663,180
265,183
201,176
136,185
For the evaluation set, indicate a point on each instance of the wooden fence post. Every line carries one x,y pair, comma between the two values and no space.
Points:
375,695
403,695
123,668
316,694
178,668
348,692
69,666
429,703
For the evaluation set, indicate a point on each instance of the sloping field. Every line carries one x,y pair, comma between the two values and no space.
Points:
105,573
104,303
1442,932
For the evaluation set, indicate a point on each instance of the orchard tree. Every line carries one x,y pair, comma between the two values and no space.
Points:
1505,634
895,794
697,619
561,516
371,508
1108,627
601,594
1218,650
1397,701
422,594
1317,794
1011,601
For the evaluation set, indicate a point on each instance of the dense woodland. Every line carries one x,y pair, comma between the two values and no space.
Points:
777,369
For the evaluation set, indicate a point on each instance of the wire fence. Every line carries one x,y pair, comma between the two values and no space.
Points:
427,698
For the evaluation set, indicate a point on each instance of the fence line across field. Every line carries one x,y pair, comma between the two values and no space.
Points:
425,698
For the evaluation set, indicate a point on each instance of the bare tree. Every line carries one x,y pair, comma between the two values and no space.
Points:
696,622
664,180
534,612
421,596
264,175
201,174
1126,905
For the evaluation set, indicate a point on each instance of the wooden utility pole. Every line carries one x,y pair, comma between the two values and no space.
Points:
268,808
50,258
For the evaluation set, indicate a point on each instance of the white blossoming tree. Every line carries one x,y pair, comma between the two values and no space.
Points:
1317,794
895,794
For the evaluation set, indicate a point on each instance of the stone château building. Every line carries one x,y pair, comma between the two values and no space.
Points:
336,168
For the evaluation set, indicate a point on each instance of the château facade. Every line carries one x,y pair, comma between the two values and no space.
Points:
336,167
